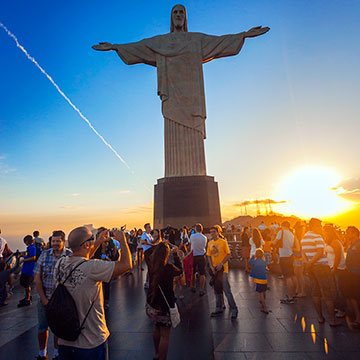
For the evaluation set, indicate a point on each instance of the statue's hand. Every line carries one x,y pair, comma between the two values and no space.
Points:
103,46
256,31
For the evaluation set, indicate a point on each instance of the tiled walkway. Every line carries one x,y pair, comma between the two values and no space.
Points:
288,332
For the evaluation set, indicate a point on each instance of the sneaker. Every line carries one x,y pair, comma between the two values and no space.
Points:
146,285
23,303
202,293
287,300
216,313
39,357
234,314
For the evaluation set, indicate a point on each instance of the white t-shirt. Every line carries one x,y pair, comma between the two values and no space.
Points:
149,238
288,243
329,251
253,246
2,246
85,286
262,227
198,243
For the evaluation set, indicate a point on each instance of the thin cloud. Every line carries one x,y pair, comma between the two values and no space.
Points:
260,201
139,209
349,189
5,169
70,207
75,194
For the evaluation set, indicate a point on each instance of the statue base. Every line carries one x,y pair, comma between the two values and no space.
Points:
186,200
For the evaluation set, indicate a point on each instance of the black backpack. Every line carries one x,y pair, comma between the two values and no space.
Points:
62,314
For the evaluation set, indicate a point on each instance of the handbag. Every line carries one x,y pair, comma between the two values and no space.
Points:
174,312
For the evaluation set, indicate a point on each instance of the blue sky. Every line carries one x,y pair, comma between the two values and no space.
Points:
289,98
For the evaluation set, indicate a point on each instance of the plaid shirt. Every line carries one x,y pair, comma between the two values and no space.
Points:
45,268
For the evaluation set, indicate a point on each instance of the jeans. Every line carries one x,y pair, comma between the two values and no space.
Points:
73,353
228,294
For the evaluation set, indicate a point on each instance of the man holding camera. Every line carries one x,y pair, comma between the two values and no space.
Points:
85,286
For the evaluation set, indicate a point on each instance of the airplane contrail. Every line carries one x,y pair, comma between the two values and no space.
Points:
65,97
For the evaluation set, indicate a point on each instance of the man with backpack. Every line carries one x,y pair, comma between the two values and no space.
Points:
44,281
82,280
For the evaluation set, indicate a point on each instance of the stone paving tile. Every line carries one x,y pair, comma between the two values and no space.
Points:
241,342
253,326
229,356
298,343
276,356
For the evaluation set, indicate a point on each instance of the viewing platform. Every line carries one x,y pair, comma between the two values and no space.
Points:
288,332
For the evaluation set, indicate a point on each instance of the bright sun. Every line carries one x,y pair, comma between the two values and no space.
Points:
308,190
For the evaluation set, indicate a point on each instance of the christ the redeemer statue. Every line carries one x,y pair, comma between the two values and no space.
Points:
178,57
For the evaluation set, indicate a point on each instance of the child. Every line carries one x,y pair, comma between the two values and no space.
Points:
4,277
258,273
27,272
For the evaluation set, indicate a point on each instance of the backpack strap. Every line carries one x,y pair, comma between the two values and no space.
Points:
164,297
87,314
73,271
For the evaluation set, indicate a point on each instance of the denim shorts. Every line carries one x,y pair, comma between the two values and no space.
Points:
43,324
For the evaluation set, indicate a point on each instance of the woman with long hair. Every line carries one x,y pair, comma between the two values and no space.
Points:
140,250
256,241
245,247
161,293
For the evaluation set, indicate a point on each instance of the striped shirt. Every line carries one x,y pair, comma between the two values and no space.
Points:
310,244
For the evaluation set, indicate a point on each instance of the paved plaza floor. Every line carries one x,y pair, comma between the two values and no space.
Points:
288,332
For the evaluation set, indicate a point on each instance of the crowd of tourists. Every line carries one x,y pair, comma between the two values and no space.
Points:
73,282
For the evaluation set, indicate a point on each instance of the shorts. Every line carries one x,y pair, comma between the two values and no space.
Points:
199,264
42,320
245,252
26,280
158,317
322,282
286,265
260,288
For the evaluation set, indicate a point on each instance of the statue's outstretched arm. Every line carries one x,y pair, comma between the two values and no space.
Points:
256,31
104,46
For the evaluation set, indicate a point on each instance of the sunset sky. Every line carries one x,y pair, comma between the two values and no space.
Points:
283,115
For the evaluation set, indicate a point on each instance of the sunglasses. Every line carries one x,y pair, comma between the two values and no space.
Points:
90,239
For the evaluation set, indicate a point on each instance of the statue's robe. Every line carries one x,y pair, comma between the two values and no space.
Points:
179,58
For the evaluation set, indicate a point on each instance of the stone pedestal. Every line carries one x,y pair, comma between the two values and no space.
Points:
186,200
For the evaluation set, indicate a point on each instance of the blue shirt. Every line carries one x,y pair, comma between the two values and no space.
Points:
149,238
258,271
28,267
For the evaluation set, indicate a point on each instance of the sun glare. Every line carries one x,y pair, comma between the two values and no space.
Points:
309,193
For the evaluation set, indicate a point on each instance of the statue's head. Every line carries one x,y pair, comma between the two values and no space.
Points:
178,19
